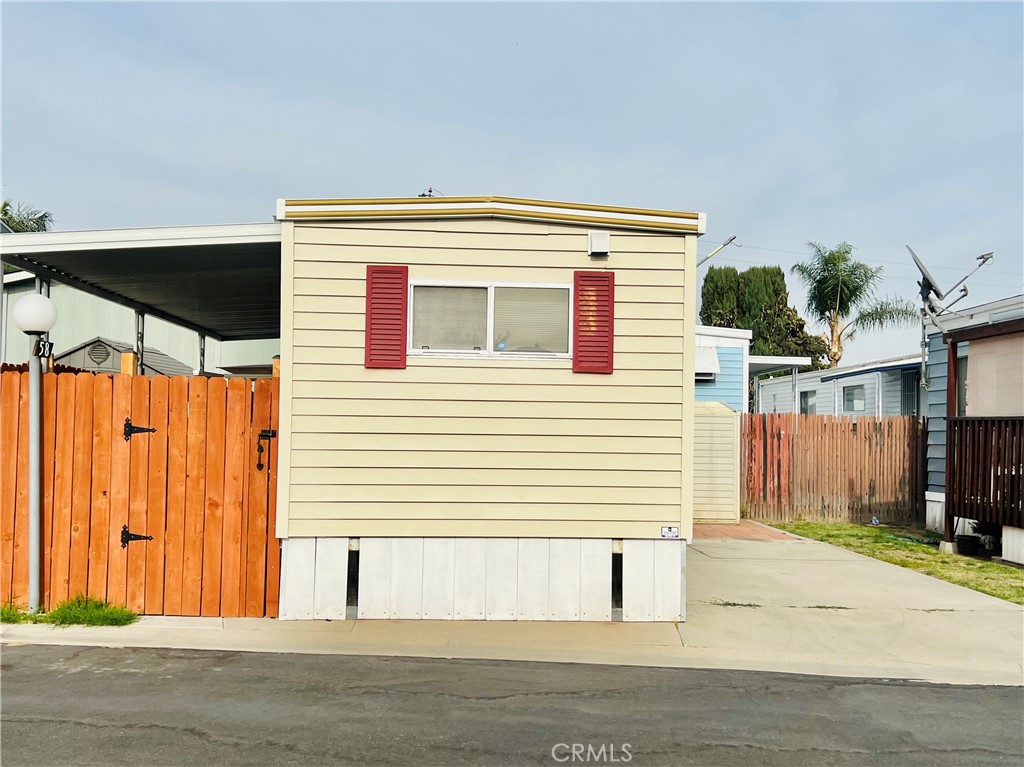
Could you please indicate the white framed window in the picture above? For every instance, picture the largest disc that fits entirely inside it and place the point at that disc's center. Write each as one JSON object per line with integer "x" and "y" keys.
{"x": 808, "y": 402}
{"x": 853, "y": 398}
{"x": 490, "y": 319}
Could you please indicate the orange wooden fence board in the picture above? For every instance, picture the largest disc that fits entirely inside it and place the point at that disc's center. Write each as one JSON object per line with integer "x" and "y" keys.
{"x": 156, "y": 512}
{"x": 81, "y": 493}
{"x": 213, "y": 525}
{"x": 138, "y": 496}
{"x": 120, "y": 491}
{"x": 19, "y": 585}
{"x": 174, "y": 546}
{"x": 10, "y": 401}
{"x": 49, "y": 425}
{"x": 63, "y": 485}
{"x": 235, "y": 475}
{"x": 256, "y": 573}
{"x": 195, "y": 496}
{"x": 99, "y": 534}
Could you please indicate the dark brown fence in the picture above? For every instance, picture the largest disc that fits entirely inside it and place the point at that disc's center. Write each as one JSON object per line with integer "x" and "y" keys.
{"x": 985, "y": 469}
{"x": 828, "y": 468}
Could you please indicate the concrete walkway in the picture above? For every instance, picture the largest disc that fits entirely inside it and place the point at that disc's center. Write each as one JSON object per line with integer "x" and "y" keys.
{"x": 793, "y": 605}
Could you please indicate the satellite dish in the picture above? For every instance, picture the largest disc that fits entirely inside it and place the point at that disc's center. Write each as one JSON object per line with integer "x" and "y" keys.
{"x": 928, "y": 285}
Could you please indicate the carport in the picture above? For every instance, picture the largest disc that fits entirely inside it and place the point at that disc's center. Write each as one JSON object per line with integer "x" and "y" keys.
{"x": 222, "y": 282}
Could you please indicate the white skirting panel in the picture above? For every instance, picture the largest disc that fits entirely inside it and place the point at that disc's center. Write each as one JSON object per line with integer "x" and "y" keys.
{"x": 489, "y": 578}
{"x": 485, "y": 578}
{"x": 595, "y": 580}
{"x": 502, "y": 572}
{"x": 330, "y": 584}
{"x": 935, "y": 511}
{"x": 653, "y": 580}
{"x": 438, "y": 578}
{"x": 314, "y": 578}
{"x": 1013, "y": 544}
{"x": 470, "y": 579}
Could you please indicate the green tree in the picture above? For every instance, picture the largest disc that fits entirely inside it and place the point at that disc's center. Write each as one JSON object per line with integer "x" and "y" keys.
{"x": 841, "y": 296}
{"x": 758, "y": 300}
{"x": 22, "y": 218}
{"x": 720, "y": 293}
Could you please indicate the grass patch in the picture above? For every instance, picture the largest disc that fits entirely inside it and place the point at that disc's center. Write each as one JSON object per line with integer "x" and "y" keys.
{"x": 906, "y": 547}
{"x": 11, "y": 614}
{"x": 723, "y": 603}
{"x": 79, "y": 611}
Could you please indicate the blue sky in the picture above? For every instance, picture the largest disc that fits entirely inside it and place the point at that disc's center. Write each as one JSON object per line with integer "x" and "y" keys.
{"x": 879, "y": 124}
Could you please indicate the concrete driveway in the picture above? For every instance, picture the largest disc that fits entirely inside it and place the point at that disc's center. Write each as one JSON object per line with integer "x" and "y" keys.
{"x": 775, "y": 603}
{"x": 796, "y": 603}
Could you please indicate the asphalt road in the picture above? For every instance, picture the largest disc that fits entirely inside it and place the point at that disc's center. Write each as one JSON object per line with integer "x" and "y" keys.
{"x": 84, "y": 706}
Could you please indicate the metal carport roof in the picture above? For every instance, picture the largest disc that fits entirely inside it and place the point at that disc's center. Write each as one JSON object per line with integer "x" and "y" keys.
{"x": 221, "y": 281}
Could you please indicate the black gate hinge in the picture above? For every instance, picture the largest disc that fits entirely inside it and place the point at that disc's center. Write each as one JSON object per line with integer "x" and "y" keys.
{"x": 130, "y": 429}
{"x": 127, "y": 537}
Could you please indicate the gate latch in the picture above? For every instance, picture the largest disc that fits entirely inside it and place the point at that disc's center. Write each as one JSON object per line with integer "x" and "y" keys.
{"x": 265, "y": 434}
{"x": 130, "y": 429}
{"x": 126, "y": 537}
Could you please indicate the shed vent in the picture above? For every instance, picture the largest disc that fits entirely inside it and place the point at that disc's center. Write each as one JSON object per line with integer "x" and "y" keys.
{"x": 99, "y": 353}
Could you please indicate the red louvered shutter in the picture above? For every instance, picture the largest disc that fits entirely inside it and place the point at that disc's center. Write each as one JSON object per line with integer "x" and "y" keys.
{"x": 593, "y": 314}
{"x": 387, "y": 306}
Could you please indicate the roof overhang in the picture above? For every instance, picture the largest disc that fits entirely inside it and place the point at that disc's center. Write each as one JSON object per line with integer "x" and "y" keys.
{"x": 759, "y": 364}
{"x": 610, "y": 216}
{"x": 900, "y": 363}
{"x": 221, "y": 281}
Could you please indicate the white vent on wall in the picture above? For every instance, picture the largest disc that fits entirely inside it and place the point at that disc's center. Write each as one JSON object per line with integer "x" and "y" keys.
{"x": 599, "y": 244}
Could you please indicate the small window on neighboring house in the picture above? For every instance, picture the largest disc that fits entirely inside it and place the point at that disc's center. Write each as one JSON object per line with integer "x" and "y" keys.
{"x": 853, "y": 398}
{"x": 775, "y": 403}
{"x": 808, "y": 405}
{"x": 961, "y": 387}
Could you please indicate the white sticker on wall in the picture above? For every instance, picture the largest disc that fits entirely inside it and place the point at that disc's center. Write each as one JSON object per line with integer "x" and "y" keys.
{"x": 670, "y": 532}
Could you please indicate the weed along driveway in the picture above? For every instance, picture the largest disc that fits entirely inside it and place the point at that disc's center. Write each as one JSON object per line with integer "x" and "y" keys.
{"x": 792, "y": 604}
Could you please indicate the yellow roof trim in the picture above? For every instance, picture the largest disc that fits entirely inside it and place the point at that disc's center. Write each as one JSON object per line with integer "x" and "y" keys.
{"x": 495, "y": 199}
{"x": 498, "y": 212}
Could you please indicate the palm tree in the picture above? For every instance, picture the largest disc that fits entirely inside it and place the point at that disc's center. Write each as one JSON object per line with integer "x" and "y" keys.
{"x": 22, "y": 218}
{"x": 840, "y": 287}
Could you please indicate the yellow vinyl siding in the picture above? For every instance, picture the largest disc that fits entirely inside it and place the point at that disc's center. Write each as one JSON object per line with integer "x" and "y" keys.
{"x": 716, "y": 463}
{"x": 481, "y": 446}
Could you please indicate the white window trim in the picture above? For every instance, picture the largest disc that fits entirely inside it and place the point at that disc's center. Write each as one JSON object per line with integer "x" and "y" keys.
{"x": 487, "y": 353}
{"x": 863, "y": 398}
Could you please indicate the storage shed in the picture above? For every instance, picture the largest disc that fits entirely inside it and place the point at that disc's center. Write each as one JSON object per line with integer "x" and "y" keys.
{"x": 491, "y": 400}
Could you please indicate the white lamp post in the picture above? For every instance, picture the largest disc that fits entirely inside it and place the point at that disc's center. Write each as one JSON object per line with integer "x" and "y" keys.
{"x": 35, "y": 315}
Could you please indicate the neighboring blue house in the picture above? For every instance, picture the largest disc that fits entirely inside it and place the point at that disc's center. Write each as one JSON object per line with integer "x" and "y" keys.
{"x": 724, "y": 366}
{"x": 722, "y": 363}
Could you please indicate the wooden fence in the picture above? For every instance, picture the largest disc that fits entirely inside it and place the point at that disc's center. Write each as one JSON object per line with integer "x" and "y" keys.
{"x": 827, "y": 468}
{"x": 203, "y": 484}
{"x": 985, "y": 469}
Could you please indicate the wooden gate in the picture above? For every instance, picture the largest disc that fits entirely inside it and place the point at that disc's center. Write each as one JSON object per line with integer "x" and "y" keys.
{"x": 202, "y": 484}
